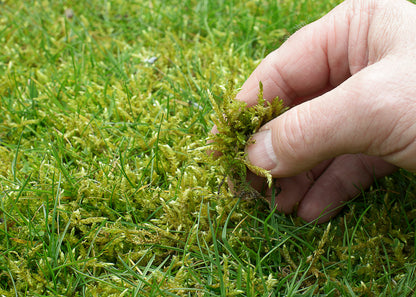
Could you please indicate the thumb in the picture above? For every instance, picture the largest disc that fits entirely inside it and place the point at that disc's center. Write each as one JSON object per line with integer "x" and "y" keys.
{"x": 356, "y": 117}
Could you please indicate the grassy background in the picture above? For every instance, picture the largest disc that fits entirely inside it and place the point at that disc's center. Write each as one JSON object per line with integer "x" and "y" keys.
{"x": 105, "y": 187}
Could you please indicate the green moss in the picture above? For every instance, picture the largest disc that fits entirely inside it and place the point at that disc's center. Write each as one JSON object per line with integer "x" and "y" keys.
{"x": 105, "y": 185}
{"x": 236, "y": 123}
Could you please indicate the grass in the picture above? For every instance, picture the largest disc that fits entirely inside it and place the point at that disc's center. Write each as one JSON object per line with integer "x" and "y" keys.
{"x": 105, "y": 185}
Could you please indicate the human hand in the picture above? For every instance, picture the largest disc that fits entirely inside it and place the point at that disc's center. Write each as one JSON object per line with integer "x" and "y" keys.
{"x": 350, "y": 78}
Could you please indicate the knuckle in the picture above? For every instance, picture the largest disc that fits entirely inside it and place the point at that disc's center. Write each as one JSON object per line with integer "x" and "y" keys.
{"x": 293, "y": 135}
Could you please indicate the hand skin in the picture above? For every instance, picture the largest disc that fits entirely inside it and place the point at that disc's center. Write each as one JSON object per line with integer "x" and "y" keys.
{"x": 350, "y": 79}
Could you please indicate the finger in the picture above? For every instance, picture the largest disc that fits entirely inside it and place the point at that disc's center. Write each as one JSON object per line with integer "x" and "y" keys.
{"x": 343, "y": 180}
{"x": 353, "y": 118}
{"x": 289, "y": 191}
{"x": 285, "y": 193}
{"x": 213, "y": 153}
{"x": 293, "y": 189}
{"x": 313, "y": 59}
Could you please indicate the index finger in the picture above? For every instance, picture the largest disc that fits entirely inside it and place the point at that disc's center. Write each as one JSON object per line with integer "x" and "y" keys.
{"x": 313, "y": 60}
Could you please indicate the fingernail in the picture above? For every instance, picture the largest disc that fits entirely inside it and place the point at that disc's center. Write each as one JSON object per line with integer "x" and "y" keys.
{"x": 261, "y": 152}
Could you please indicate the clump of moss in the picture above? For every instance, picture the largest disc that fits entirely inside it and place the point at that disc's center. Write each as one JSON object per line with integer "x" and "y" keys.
{"x": 236, "y": 123}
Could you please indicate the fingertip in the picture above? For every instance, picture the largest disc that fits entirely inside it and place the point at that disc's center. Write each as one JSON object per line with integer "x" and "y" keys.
{"x": 261, "y": 153}
{"x": 310, "y": 211}
{"x": 213, "y": 153}
{"x": 214, "y": 130}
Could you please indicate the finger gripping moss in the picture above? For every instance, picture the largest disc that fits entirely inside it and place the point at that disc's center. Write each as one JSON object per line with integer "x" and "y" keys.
{"x": 236, "y": 122}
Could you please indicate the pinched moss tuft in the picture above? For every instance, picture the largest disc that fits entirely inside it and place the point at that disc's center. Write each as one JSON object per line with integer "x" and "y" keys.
{"x": 236, "y": 123}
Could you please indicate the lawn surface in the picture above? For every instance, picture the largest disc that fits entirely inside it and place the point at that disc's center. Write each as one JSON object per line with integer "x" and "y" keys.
{"x": 105, "y": 185}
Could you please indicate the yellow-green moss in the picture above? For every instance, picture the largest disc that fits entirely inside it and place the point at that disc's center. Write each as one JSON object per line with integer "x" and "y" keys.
{"x": 106, "y": 188}
{"x": 236, "y": 123}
